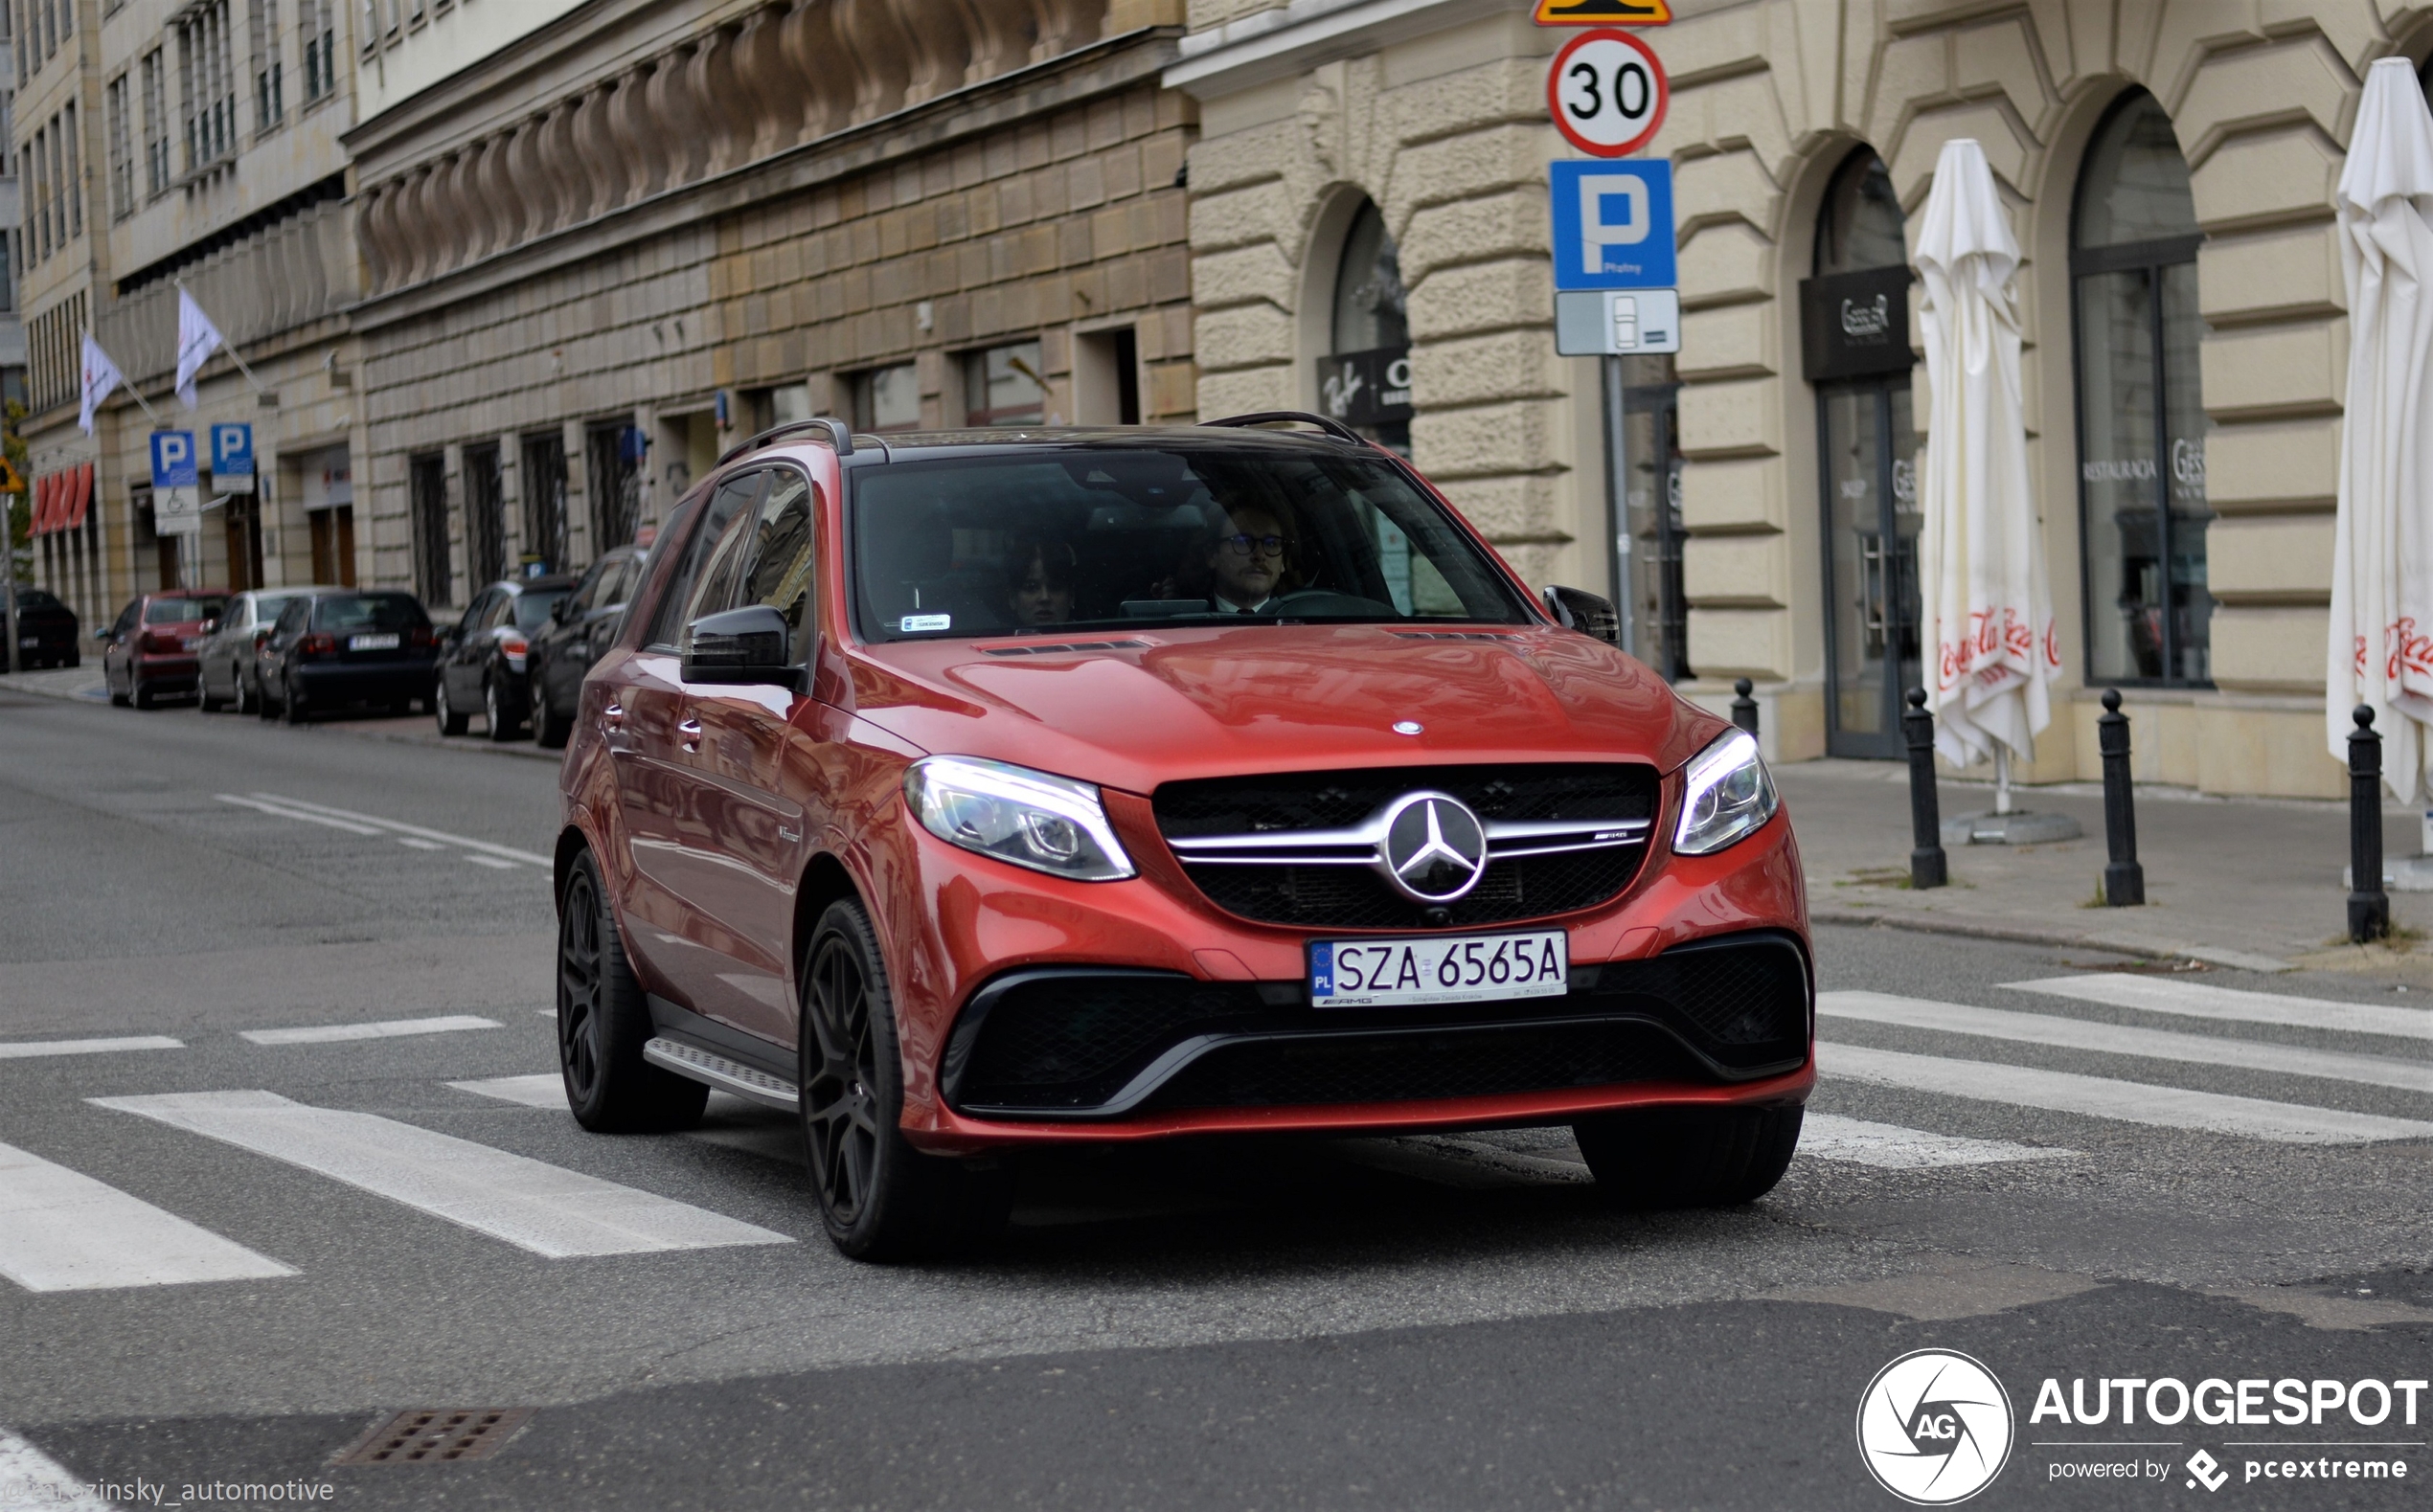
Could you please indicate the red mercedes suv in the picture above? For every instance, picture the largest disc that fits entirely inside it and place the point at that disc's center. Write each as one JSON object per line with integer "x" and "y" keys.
{"x": 965, "y": 792}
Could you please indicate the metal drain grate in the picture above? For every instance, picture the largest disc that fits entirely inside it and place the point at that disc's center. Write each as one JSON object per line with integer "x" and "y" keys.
{"x": 436, "y": 1436}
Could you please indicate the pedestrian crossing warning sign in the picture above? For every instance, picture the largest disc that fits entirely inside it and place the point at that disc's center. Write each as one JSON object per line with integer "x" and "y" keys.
{"x": 1603, "y": 12}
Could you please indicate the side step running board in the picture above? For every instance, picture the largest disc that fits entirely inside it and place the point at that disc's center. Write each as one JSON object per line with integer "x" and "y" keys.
{"x": 717, "y": 1071}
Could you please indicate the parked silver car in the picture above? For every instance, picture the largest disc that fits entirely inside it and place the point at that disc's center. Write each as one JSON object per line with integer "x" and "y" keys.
{"x": 228, "y": 655}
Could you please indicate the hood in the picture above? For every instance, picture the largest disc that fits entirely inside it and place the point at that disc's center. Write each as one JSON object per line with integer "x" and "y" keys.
{"x": 1159, "y": 707}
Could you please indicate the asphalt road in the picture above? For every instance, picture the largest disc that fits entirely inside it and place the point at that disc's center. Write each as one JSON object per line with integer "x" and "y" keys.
{"x": 2182, "y": 1185}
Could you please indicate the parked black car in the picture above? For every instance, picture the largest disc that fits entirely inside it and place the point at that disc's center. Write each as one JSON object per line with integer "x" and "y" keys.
{"x": 45, "y": 630}
{"x": 234, "y": 644}
{"x": 579, "y": 630}
{"x": 484, "y": 657}
{"x": 339, "y": 647}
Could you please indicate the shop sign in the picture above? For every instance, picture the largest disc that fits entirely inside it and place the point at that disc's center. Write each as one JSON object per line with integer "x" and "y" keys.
{"x": 1855, "y": 324}
{"x": 1367, "y": 388}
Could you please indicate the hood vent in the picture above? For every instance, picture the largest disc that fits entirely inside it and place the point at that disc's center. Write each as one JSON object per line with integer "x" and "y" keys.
{"x": 1054, "y": 647}
{"x": 1447, "y": 635}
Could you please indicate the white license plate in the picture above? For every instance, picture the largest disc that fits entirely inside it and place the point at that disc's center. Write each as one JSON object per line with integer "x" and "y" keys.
{"x": 1455, "y": 968}
{"x": 28, "y": 641}
{"x": 372, "y": 642}
{"x": 191, "y": 643}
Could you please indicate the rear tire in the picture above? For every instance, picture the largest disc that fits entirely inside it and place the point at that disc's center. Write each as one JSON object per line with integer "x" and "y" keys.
{"x": 246, "y": 702}
{"x": 603, "y": 1021}
{"x": 880, "y": 1198}
{"x": 291, "y": 709}
{"x": 504, "y": 726}
{"x": 1713, "y": 1157}
{"x": 204, "y": 698}
{"x": 116, "y": 698}
{"x": 138, "y": 694}
{"x": 451, "y": 723}
{"x": 550, "y": 729}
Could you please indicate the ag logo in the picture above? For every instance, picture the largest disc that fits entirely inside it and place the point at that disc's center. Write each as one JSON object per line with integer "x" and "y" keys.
{"x": 2202, "y": 1466}
{"x": 1934, "y": 1426}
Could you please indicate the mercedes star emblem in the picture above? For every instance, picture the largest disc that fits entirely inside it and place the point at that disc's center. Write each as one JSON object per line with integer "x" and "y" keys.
{"x": 1434, "y": 847}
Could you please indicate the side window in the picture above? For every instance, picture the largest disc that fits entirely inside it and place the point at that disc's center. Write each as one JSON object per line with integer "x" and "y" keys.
{"x": 476, "y": 612}
{"x": 784, "y": 550}
{"x": 126, "y": 618}
{"x": 684, "y": 586}
{"x": 502, "y": 605}
{"x": 624, "y": 582}
{"x": 292, "y": 618}
{"x": 578, "y": 602}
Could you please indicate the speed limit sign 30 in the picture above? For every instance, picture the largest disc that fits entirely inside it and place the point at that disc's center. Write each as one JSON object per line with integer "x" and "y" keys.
{"x": 1608, "y": 93}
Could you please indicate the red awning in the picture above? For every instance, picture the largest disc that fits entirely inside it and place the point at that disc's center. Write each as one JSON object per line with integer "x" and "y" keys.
{"x": 42, "y": 491}
{"x": 81, "y": 498}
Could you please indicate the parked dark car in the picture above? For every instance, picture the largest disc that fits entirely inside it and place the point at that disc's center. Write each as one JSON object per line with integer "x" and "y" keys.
{"x": 580, "y": 629}
{"x": 152, "y": 649}
{"x": 484, "y": 656}
{"x": 45, "y": 630}
{"x": 234, "y": 643}
{"x": 342, "y": 648}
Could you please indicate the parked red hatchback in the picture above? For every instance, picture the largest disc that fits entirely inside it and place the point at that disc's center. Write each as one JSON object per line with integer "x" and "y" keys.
{"x": 969, "y": 792}
{"x": 154, "y": 646}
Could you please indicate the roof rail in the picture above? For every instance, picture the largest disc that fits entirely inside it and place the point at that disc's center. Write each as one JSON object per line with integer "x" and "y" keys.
{"x": 1334, "y": 428}
{"x": 839, "y": 435}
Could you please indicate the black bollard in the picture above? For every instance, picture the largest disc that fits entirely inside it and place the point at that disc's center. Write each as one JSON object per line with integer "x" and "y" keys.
{"x": 1743, "y": 706}
{"x": 2368, "y": 906}
{"x": 1928, "y": 866}
{"x": 2123, "y": 880}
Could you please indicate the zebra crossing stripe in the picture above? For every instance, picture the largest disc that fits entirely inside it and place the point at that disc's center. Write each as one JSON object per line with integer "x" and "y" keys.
{"x": 32, "y": 1482}
{"x": 2119, "y": 1039}
{"x": 1888, "y": 1147}
{"x": 24, "y": 1050}
{"x": 388, "y": 1029}
{"x": 547, "y": 1089}
{"x": 61, "y": 1230}
{"x": 2102, "y": 1098}
{"x": 536, "y": 1207}
{"x": 2197, "y": 999}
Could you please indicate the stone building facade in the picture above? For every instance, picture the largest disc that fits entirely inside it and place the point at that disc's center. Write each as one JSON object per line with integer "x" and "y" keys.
{"x": 2169, "y": 166}
{"x": 620, "y": 236}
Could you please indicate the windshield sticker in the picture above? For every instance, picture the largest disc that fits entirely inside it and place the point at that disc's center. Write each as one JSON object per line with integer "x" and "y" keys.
{"x": 911, "y": 622}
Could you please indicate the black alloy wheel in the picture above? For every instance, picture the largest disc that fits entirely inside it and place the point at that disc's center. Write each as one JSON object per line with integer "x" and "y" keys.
{"x": 880, "y": 1198}
{"x": 603, "y": 1021}
{"x": 1646, "y": 1159}
{"x": 451, "y": 723}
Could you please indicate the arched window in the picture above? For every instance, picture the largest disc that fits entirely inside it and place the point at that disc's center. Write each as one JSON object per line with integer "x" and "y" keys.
{"x": 2141, "y": 412}
{"x": 1365, "y": 380}
{"x": 1855, "y": 338}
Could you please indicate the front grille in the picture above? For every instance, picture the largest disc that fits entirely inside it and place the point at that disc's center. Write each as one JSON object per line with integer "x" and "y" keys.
{"x": 1073, "y": 1041}
{"x": 1350, "y": 897}
{"x": 1409, "y": 1067}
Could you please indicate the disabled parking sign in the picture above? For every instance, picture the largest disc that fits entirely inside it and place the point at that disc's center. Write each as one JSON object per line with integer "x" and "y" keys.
{"x": 1612, "y": 225}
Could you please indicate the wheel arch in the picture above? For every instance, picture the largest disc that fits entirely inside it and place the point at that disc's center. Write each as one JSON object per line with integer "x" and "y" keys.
{"x": 825, "y": 881}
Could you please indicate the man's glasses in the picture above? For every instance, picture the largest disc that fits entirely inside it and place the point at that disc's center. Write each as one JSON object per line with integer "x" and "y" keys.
{"x": 1243, "y": 545}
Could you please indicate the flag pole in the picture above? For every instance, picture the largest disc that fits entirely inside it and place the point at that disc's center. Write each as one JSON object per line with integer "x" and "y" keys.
{"x": 132, "y": 391}
{"x": 229, "y": 347}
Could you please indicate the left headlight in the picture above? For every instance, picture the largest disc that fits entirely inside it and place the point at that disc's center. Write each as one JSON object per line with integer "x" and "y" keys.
{"x": 1031, "y": 819}
{"x": 1727, "y": 794}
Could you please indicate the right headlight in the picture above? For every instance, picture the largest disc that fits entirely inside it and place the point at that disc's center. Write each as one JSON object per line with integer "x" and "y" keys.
{"x": 1727, "y": 794}
{"x": 1031, "y": 819}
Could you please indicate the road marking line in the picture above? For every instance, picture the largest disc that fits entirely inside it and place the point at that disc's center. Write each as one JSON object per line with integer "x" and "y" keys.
{"x": 1831, "y": 1136}
{"x": 61, "y": 1230}
{"x": 504, "y": 852}
{"x": 2102, "y": 1098}
{"x": 2120, "y": 1039}
{"x": 547, "y": 1089}
{"x": 32, "y": 1482}
{"x": 25, "y": 1049}
{"x": 393, "y": 1028}
{"x": 491, "y": 860}
{"x": 2197, "y": 999}
{"x": 543, "y": 1209}
{"x": 290, "y": 813}
{"x": 419, "y": 845}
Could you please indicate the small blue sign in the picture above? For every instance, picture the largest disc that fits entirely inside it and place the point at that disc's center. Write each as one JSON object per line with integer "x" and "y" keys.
{"x": 232, "y": 450}
{"x": 1322, "y": 969}
{"x": 173, "y": 460}
{"x": 1613, "y": 224}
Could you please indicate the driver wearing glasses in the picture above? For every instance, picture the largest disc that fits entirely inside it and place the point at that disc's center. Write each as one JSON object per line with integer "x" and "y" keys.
{"x": 1247, "y": 560}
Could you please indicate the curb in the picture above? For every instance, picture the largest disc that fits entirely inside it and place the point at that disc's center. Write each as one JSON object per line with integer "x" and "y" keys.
{"x": 2121, "y": 944}
{"x": 528, "y": 750}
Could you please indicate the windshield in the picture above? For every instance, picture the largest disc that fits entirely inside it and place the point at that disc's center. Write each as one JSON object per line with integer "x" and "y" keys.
{"x": 532, "y": 606}
{"x": 181, "y": 611}
{"x": 1034, "y": 545}
{"x": 369, "y": 612}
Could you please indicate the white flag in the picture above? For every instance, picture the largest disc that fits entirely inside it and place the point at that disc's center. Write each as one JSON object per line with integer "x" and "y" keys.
{"x": 101, "y": 376}
{"x": 197, "y": 338}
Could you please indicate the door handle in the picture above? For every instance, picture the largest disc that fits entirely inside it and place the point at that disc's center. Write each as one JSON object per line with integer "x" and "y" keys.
{"x": 691, "y": 731}
{"x": 613, "y": 717}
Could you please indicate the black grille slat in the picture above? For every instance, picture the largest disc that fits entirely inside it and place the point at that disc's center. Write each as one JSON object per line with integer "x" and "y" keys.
{"x": 1352, "y": 897}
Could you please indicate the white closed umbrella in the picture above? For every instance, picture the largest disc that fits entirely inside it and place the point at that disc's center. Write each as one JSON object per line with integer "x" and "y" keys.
{"x": 1987, "y": 640}
{"x": 2381, "y": 643}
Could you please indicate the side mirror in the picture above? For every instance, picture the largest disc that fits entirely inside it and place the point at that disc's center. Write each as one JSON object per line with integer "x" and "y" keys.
{"x": 1578, "y": 609}
{"x": 210, "y": 626}
{"x": 746, "y": 645}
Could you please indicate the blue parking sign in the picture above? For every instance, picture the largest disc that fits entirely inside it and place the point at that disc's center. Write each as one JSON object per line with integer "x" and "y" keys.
{"x": 232, "y": 450}
{"x": 173, "y": 460}
{"x": 1613, "y": 224}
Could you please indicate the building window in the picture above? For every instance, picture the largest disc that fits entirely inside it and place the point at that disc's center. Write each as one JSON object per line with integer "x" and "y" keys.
{"x": 612, "y": 467}
{"x": 887, "y": 399}
{"x": 207, "y": 86}
{"x": 118, "y": 104}
{"x": 72, "y": 176}
{"x": 427, "y": 486}
{"x": 1365, "y": 379}
{"x": 542, "y": 483}
{"x": 1002, "y": 386}
{"x": 153, "y": 73}
{"x": 320, "y": 48}
{"x": 2140, "y": 412}
{"x": 8, "y": 282}
{"x": 485, "y": 515}
{"x": 261, "y": 37}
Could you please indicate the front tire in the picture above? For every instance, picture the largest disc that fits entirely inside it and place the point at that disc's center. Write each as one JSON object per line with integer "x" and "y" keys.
{"x": 880, "y": 1198}
{"x": 603, "y": 1021}
{"x": 1647, "y": 1159}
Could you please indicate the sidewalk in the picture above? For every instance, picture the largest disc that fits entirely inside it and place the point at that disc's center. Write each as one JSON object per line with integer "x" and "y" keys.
{"x": 2253, "y": 883}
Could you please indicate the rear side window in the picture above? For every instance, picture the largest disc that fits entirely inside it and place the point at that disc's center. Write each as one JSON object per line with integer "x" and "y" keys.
{"x": 684, "y": 586}
{"x": 369, "y": 612}
{"x": 532, "y": 606}
{"x": 181, "y": 611}
{"x": 292, "y": 615}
